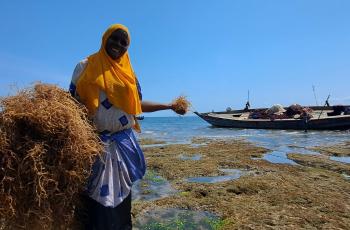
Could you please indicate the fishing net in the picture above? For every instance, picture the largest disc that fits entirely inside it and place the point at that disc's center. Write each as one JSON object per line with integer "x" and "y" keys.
{"x": 294, "y": 110}
{"x": 259, "y": 114}
{"x": 47, "y": 147}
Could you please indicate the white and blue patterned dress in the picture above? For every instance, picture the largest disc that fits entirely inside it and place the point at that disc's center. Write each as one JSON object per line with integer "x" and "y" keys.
{"x": 122, "y": 162}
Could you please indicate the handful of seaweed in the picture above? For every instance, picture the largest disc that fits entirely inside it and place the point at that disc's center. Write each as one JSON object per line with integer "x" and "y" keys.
{"x": 181, "y": 105}
{"x": 47, "y": 147}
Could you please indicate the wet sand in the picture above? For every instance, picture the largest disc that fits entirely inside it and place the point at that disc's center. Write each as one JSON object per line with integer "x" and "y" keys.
{"x": 312, "y": 194}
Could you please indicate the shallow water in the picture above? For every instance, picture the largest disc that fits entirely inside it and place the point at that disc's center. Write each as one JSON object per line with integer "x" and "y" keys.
{"x": 155, "y": 145}
{"x": 341, "y": 159}
{"x": 278, "y": 158}
{"x": 183, "y": 129}
{"x": 151, "y": 187}
{"x": 171, "y": 218}
{"x": 280, "y": 142}
{"x": 195, "y": 157}
{"x": 346, "y": 176}
{"x": 232, "y": 174}
{"x": 198, "y": 145}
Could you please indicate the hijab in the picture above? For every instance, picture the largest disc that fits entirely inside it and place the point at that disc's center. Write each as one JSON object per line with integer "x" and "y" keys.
{"x": 115, "y": 77}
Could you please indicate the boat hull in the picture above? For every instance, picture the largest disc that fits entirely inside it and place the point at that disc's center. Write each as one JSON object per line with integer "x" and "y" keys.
{"x": 330, "y": 123}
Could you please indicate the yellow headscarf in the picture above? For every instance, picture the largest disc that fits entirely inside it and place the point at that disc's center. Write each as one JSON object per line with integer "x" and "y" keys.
{"x": 115, "y": 77}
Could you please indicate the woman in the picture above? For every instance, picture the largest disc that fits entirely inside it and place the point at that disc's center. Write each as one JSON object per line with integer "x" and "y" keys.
{"x": 106, "y": 84}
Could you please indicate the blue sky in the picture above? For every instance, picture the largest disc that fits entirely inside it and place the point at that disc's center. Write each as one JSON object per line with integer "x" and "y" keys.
{"x": 210, "y": 51}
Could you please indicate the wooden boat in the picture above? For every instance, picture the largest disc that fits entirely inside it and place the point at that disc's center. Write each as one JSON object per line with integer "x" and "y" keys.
{"x": 140, "y": 118}
{"x": 240, "y": 119}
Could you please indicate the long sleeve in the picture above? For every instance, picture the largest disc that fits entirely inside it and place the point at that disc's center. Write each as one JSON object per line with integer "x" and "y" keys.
{"x": 79, "y": 68}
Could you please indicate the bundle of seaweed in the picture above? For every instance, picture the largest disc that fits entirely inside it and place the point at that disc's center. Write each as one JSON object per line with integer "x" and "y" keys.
{"x": 47, "y": 147}
{"x": 181, "y": 105}
{"x": 294, "y": 109}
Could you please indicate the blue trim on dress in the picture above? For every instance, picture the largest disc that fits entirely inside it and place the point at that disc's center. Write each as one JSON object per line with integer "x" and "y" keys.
{"x": 106, "y": 104}
{"x": 130, "y": 151}
{"x": 104, "y": 190}
{"x": 123, "y": 120}
{"x": 72, "y": 89}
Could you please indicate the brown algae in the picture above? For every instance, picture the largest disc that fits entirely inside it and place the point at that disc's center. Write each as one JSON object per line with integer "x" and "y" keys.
{"x": 275, "y": 196}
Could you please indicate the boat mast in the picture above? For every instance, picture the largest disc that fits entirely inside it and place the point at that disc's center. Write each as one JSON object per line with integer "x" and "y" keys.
{"x": 325, "y": 104}
{"x": 313, "y": 88}
{"x": 247, "y": 105}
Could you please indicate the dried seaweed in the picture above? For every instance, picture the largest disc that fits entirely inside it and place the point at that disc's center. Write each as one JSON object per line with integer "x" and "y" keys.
{"x": 47, "y": 147}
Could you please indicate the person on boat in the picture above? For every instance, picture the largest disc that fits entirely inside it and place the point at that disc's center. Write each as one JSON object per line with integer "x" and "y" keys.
{"x": 106, "y": 84}
{"x": 347, "y": 110}
{"x": 247, "y": 106}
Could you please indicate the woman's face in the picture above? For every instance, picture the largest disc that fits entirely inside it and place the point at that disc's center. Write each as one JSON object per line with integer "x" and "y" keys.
{"x": 117, "y": 44}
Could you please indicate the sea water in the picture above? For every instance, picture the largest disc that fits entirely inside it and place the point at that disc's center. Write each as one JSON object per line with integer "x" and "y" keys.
{"x": 183, "y": 129}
